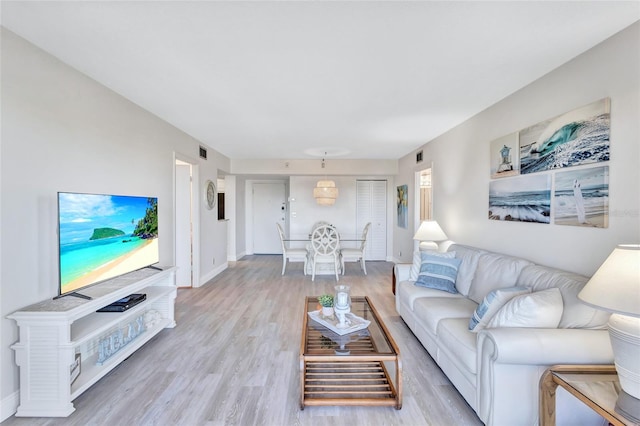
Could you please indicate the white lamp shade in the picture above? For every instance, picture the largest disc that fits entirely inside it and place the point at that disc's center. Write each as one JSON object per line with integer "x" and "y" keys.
{"x": 429, "y": 230}
{"x": 325, "y": 192}
{"x": 615, "y": 287}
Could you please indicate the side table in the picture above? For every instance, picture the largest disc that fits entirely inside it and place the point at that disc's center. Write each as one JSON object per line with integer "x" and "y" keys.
{"x": 596, "y": 386}
{"x": 393, "y": 280}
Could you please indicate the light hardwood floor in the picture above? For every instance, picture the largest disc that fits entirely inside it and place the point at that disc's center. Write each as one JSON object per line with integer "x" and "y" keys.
{"x": 233, "y": 359}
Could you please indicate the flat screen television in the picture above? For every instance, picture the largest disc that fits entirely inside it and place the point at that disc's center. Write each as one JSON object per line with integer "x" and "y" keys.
{"x": 102, "y": 236}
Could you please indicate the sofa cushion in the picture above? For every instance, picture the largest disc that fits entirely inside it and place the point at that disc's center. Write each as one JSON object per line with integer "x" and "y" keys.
{"x": 469, "y": 257}
{"x": 495, "y": 271}
{"x": 491, "y": 304}
{"x": 575, "y": 313}
{"x": 542, "y": 309}
{"x": 438, "y": 272}
{"x": 418, "y": 259}
{"x": 431, "y": 310}
{"x": 460, "y": 343}
{"x": 408, "y": 293}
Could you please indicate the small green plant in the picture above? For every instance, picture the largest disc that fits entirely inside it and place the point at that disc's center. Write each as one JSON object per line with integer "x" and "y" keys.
{"x": 326, "y": 300}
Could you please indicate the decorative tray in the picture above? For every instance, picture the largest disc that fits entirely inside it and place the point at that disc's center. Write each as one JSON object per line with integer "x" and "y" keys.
{"x": 354, "y": 322}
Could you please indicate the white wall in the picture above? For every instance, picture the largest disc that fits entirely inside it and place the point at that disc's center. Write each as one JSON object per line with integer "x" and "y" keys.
{"x": 333, "y": 167}
{"x": 304, "y": 211}
{"x": 61, "y": 131}
{"x": 461, "y": 162}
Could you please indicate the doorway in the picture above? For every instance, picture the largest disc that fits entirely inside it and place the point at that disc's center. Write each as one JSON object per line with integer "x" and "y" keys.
{"x": 426, "y": 201}
{"x": 371, "y": 207}
{"x": 269, "y": 208}
{"x": 186, "y": 234}
{"x": 423, "y": 198}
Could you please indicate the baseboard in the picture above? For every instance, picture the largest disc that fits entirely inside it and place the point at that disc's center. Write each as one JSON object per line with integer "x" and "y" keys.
{"x": 235, "y": 257}
{"x": 205, "y": 278}
{"x": 9, "y": 406}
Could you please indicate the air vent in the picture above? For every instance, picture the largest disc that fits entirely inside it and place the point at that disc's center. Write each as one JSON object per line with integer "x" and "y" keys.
{"x": 203, "y": 152}
{"x": 419, "y": 157}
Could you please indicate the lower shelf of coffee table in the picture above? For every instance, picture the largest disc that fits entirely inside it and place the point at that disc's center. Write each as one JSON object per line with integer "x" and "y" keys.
{"x": 348, "y": 383}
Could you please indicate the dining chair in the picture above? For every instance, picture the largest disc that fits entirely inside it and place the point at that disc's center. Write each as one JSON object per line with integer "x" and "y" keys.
{"x": 315, "y": 225}
{"x": 356, "y": 254}
{"x": 325, "y": 243}
{"x": 291, "y": 254}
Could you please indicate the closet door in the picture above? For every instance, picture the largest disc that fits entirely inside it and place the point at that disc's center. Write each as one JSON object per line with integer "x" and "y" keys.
{"x": 372, "y": 207}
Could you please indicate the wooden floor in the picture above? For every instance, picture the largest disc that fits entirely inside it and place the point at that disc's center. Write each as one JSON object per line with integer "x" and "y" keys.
{"x": 233, "y": 359}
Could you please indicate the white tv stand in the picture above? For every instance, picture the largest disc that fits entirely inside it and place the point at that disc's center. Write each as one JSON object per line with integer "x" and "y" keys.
{"x": 53, "y": 332}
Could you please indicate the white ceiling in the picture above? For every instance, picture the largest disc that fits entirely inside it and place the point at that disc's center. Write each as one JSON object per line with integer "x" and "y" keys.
{"x": 368, "y": 80}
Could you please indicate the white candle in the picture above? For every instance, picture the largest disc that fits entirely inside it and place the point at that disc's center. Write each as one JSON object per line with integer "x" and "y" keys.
{"x": 342, "y": 299}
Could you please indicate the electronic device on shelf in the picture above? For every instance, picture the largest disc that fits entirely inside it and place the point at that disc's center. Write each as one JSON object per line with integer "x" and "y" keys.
{"x": 125, "y": 303}
{"x": 97, "y": 232}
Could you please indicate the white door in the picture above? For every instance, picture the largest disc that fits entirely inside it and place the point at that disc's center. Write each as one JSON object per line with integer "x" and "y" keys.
{"x": 184, "y": 275}
{"x": 269, "y": 206}
{"x": 371, "y": 206}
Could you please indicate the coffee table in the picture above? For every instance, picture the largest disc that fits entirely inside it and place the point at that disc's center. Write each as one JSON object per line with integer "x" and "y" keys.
{"x": 353, "y": 369}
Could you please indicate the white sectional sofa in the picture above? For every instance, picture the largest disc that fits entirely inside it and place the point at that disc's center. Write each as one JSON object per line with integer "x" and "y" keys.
{"x": 497, "y": 368}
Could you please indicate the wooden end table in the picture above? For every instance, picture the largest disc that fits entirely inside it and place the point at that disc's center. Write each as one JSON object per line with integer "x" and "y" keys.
{"x": 597, "y": 386}
{"x": 354, "y": 369}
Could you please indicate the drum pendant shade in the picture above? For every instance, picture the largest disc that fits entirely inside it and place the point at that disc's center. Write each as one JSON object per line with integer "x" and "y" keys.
{"x": 325, "y": 192}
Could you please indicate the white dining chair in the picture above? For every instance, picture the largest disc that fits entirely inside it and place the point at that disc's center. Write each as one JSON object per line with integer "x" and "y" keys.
{"x": 291, "y": 254}
{"x": 356, "y": 254}
{"x": 325, "y": 244}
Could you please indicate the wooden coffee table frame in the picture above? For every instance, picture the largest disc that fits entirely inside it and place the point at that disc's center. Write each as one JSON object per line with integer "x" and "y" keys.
{"x": 360, "y": 378}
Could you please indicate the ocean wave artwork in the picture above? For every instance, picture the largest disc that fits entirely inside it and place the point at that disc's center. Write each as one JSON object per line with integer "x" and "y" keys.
{"x": 576, "y": 138}
{"x": 522, "y": 199}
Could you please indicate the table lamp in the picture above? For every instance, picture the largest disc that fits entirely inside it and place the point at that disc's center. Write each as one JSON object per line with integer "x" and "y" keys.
{"x": 615, "y": 287}
{"x": 428, "y": 233}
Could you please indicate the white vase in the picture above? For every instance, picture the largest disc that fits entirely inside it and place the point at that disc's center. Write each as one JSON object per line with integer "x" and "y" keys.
{"x": 327, "y": 311}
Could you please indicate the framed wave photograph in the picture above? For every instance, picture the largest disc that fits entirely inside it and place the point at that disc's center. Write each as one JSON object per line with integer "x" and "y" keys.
{"x": 575, "y": 138}
{"x": 521, "y": 199}
{"x": 581, "y": 197}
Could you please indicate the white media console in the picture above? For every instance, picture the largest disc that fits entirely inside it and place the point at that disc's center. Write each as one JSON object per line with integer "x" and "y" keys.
{"x": 61, "y": 340}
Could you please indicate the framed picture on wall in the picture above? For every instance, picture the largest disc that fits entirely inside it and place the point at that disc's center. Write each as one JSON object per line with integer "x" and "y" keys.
{"x": 581, "y": 197}
{"x": 575, "y": 138}
{"x": 521, "y": 199}
{"x": 505, "y": 158}
{"x": 403, "y": 206}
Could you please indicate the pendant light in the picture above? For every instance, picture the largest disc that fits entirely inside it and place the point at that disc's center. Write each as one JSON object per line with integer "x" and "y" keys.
{"x": 325, "y": 191}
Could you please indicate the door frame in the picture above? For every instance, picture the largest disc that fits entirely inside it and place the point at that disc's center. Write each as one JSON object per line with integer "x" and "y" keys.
{"x": 417, "y": 195}
{"x": 195, "y": 215}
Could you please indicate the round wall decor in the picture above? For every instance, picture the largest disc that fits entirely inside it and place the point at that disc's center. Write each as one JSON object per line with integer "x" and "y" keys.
{"x": 210, "y": 194}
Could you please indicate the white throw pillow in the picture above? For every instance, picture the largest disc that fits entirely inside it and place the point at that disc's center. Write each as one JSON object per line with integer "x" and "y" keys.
{"x": 542, "y": 309}
{"x": 492, "y": 302}
{"x": 417, "y": 261}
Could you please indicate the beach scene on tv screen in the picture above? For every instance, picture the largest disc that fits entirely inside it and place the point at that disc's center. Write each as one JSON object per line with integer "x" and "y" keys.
{"x": 103, "y": 236}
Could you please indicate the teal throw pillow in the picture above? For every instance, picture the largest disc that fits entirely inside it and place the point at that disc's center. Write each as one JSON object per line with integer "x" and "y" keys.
{"x": 438, "y": 272}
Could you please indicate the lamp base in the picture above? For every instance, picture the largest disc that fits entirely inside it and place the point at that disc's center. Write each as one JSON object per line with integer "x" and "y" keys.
{"x": 628, "y": 407}
{"x": 428, "y": 245}
{"x": 624, "y": 333}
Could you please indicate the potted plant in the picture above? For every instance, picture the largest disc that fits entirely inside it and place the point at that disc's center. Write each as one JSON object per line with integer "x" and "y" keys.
{"x": 326, "y": 301}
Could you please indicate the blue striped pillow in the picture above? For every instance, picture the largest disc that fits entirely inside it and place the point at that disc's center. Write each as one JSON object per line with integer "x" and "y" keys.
{"x": 438, "y": 273}
{"x": 491, "y": 303}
